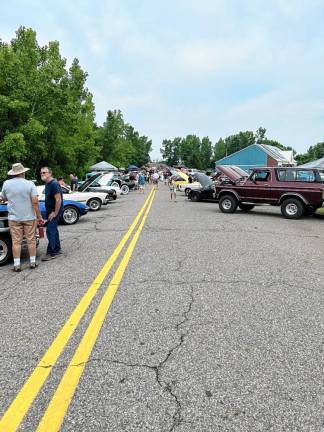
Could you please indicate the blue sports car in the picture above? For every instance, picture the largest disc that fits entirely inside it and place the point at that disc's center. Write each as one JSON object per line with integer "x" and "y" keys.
{"x": 72, "y": 211}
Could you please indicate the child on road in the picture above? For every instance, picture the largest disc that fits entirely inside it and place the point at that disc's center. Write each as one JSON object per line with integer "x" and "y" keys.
{"x": 173, "y": 187}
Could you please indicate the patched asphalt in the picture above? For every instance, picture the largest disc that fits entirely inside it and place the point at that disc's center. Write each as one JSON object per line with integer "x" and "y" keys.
{"x": 216, "y": 326}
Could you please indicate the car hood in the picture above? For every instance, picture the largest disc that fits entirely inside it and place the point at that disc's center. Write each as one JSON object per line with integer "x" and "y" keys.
{"x": 203, "y": 179}
{"x": 234, "y": 173}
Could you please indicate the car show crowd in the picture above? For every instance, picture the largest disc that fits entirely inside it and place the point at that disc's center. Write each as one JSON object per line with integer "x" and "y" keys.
{"x": 25, "y": 209}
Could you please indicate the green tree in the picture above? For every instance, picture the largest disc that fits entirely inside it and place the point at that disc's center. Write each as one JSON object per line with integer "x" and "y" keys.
{"x": 120, "y": 143}
{"x": 46, "y": 113}
{"x": 206, "y": 151}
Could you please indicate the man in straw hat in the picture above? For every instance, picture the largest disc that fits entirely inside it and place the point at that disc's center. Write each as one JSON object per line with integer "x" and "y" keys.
{"x": 23, "y": 210}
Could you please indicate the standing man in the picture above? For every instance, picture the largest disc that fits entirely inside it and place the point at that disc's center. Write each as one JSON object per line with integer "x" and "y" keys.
{"x": 141, "y": 182}
{"x": 74, "y": 182}
{"x": 23, "y": 209}
{"x": 54, "y": 207}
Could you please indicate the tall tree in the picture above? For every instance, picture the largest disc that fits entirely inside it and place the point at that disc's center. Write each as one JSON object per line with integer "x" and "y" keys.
{"x": 120, "y": 143}
{"x": 46, "y": 113}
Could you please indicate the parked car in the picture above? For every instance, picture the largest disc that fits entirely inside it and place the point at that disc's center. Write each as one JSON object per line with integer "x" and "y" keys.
{"x": 101, "y": 182}
{"x": 186, "y": 188}
{"x": 205, "y": 192}
{"x": 298, "y": 191}
{"x": 94, "y": 200}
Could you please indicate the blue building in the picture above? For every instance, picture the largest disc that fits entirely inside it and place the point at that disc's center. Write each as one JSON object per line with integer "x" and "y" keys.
{"x": 258, "y": 155}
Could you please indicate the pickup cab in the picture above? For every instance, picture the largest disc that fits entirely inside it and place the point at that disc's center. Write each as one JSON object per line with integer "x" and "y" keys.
{"x": 298, "y": 191}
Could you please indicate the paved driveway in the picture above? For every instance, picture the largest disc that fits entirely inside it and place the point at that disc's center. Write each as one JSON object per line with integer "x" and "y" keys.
{"x": 217, "y": 324}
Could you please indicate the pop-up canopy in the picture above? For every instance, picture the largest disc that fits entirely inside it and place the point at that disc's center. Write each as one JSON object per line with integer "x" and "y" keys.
{"x": 132, "y": 168}
{"x": 103, "y": 166}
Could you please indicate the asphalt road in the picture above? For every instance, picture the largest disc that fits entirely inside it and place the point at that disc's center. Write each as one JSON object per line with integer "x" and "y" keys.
{"x": 217, "y": 324}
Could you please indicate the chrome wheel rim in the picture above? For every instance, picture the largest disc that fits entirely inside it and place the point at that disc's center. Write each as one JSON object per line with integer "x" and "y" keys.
{"x": 94, "y": 204}
{"x": 70, "y": 215}
{"x": 3, "y": 250}
{"x": 227, "y": 204}
{"x": 292, "y": 209}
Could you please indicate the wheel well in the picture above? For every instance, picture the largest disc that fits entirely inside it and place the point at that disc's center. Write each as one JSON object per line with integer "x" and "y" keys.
{"x": 96, "y": 198}
{"x": 221, "y": 194}
{"x": 72, "y": 206}
{"x": 284, "y": 198}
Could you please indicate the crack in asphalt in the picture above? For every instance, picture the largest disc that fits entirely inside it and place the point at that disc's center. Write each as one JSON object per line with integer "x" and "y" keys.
{"x": 166, "y": 386}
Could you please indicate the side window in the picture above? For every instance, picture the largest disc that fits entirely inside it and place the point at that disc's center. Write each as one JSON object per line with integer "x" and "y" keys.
{"x": 261, "y": 176}
{"x": 305, "y": 176}
{"x": 281, "y": 175}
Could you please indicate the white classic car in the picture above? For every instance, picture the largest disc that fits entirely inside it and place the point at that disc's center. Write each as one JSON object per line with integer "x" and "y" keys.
{"x": 94, "y": 200}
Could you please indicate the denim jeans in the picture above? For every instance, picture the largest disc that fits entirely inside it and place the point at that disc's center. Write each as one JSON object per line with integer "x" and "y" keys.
{"x": 53, "y": 238}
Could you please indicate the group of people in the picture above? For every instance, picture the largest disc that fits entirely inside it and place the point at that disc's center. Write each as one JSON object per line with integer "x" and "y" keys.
{"x": 24, "y": 213}
{"x": 154, "y": 177}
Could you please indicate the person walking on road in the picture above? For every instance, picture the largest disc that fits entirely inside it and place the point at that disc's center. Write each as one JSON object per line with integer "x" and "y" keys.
{"x": 141, "y": 182}
{"x": 173, "y": 188}
{"x": 54, "y": 207}
{"x": 155, "y": 178}
{"x": 23, "y": 213}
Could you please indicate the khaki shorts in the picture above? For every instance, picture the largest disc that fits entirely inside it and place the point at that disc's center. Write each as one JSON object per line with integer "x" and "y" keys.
{"x": 21, "y": 230}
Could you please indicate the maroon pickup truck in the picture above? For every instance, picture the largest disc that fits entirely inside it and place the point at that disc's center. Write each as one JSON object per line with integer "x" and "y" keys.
{"x": 298, "y": 191}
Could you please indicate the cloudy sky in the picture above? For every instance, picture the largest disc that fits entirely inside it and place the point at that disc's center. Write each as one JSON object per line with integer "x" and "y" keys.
{"x": 208, "y": 67}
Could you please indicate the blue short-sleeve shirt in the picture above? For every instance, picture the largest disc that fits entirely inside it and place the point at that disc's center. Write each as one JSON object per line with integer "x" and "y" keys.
{"x": 51, "y": 189}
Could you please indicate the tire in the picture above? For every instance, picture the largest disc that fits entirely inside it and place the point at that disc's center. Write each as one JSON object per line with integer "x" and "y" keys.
{"x": 187, "y": 191}
{"x": 115, "y": 184}
{"x": 246, "y": 207}
{"x": 5, "y": 249}
{"x": 114, "y": 196}
{"x": 292, "y": 208}
{"x": 94, "y": 204}
{"x": 70, "y": 215}
{"x": 124, "y": 189}
{"x": 194, "y": 197}
{"x": 228, "y": 204}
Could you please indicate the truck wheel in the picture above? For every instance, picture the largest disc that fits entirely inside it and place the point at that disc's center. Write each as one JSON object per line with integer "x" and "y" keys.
{"x": 5, "y": 249}
{"x": 246, "y": 207}
{"x": 187, "y": 191}
{"x": 292, "y": 208}
{"x": 228, "y": 204}
{"x": 94, "y": 204}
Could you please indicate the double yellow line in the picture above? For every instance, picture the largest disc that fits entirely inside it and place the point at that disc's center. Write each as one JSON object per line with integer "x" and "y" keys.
{"x": 59, "y": 404}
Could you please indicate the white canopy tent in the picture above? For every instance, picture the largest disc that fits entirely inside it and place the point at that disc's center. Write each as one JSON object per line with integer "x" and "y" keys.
{"x": 103, "y": 166}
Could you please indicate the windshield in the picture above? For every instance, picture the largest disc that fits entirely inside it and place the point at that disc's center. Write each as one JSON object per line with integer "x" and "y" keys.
{"x": 105, "y": 179}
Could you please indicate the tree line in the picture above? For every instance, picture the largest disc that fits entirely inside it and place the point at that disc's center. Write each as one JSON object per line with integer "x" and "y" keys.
{"x": 202, "y": 154}
{"x": 47, "y": 114}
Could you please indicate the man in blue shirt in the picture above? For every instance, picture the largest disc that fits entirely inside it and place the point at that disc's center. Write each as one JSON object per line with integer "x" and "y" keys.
{"x": 54, "y": 208}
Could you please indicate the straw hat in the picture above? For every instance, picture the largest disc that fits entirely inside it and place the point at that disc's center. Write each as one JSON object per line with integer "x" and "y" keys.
{"x": 17, "y": 169}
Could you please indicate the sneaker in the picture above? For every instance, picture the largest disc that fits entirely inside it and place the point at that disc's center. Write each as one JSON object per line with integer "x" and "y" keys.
{"x": 33, "y": 265}
{"x": 48, "y": 257}
{"x": 16, "y": 269}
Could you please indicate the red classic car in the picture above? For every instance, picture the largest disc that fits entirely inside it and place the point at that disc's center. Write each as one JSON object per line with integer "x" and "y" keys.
{"x": 298, "y": 191}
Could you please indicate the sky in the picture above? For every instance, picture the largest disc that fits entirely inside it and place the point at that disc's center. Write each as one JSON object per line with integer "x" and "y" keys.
{"x": 177, "y": 67}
